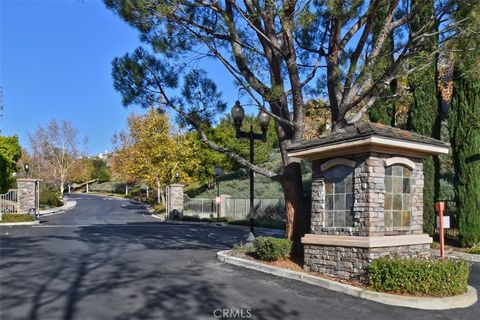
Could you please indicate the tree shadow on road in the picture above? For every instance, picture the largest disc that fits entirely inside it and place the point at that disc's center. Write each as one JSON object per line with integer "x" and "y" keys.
{"x": 120, "y": 272}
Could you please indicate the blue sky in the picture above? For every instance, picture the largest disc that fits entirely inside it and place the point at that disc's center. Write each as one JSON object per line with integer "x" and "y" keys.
{"x": 55, "y": 62}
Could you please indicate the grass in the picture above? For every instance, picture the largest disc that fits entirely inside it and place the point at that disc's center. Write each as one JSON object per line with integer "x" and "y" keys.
{"x": 16, "y": 217}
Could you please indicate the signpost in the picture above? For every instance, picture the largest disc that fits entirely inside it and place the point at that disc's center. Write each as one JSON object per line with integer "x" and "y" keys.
{"x": 442, "y": 223}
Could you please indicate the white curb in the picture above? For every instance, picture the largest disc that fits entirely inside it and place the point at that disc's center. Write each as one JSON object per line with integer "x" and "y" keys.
{"x": 425, "y": 303}
{"x": 29, "y": 223}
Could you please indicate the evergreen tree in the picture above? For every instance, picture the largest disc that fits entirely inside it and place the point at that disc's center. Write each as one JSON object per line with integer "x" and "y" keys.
{"x": 424, "y": 110}
{"x": 464, "y": 122}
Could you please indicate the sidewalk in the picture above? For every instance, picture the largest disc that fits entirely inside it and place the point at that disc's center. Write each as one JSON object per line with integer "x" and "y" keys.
{"x": 458, "y": 255}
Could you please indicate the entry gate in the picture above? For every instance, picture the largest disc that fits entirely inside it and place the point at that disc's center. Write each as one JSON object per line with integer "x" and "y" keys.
{"x": 9, "y": 202}
{"x": 202, "y": 207}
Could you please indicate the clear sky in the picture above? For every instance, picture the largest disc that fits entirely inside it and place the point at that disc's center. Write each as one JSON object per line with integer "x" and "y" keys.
{"x": 55, "y": 62}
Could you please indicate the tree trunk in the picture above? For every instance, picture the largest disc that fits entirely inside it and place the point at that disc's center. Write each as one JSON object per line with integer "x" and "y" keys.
{"x": 298, "y": 220}
{"x": 62, "y": 183}
{"x": 87, "y": 186}
{"x": 158, "y": 192}
{"x": 126, "y": 189}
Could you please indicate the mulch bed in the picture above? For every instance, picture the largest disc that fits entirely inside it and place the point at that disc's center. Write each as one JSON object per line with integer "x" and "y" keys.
{"x": 295, "y": 264}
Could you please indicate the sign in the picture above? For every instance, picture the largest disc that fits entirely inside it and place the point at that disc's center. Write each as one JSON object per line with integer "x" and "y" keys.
{"x": 446, "y": 222}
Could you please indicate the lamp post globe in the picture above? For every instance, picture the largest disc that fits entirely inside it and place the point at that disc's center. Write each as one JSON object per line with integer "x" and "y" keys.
{"x": 238, "y": 113}
{"x": 26, "y": 167}
{"x": 263, "y": 119}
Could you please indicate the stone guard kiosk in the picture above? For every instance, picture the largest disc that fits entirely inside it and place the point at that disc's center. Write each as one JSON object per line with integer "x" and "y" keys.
{"x": 367, "y": 197}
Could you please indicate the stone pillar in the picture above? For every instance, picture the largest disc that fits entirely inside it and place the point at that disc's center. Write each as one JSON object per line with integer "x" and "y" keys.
{"x": 27, "y": 194}
{"x": 224, "y": 204}
{"x": 175, "y": 200}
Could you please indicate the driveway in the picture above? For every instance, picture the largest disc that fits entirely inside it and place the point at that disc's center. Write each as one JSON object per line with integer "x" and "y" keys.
{"x": 108, "y": 259}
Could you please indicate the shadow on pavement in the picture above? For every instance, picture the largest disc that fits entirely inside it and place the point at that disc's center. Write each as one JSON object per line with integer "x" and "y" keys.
{"x": 131, "y": 271}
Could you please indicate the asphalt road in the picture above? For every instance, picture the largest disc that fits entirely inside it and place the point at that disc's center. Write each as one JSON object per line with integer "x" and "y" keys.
{"x": 107, "y": 259}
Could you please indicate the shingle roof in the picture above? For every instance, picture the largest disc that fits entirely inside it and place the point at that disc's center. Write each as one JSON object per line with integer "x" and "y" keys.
{"x": 363, "y": 130}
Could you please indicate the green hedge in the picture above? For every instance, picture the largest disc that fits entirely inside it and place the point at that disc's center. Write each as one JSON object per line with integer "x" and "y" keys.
{"x": 475, "y": 249}
{"x": 49, "y": 198}
{"x": 433, "y": 277}
{"x": 16, "y": 217}
{"x": 271, "y": 249}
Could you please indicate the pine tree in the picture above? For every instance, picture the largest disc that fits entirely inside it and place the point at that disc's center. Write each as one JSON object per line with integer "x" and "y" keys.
{"x": 424, "y": 110}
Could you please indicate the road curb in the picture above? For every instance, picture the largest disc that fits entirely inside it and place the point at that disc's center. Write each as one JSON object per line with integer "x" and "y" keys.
{"x": 425, "y": 303}
{"x": 458, "y": 255}
{"x": 69, "y": 205}
{"x": 11, "y": 224}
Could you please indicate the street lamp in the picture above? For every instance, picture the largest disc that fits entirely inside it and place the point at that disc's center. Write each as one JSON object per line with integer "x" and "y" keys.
{"x": 26, "y": 166}
{"x": 263, "y": 118}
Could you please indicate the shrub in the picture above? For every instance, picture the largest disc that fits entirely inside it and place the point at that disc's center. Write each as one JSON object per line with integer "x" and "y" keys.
{"x": 271, "y": 249}
{"x": 49, "y": 198}
{"x": 190, "y": 218}
{"x": 16, "y": 217}
{"x": 433, "y": 277}
{"x": 474, "y": 249}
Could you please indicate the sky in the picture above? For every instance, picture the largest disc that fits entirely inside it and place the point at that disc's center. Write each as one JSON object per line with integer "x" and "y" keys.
{"x": 55, "y": 63}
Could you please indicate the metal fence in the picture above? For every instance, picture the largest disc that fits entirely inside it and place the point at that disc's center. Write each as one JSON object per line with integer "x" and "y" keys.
{"x": 198, "y": 206}
{"x": 9, "y": 202}
{"x": 239, "y": 209}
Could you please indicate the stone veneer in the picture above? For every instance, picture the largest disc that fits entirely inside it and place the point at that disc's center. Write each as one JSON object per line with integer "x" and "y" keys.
{"x": 27, "y": 194}
{"x": 350, "y": 262}
{"x": 369, "y": 195}
{"x": 175, "y": 198}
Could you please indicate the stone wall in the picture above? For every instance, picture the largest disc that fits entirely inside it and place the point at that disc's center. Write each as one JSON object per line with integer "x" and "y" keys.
{"x": 27, "y": 195}
{"x": 350, "y": 263}
{"x": 369, "y": 195}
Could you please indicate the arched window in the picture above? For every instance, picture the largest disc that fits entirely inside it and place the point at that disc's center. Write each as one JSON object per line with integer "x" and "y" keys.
{"x": 398, "y": 198}
{"x": 339, "y": 196}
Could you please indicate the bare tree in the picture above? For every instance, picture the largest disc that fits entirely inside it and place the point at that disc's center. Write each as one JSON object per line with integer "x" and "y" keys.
{"x": 54, "y": 150}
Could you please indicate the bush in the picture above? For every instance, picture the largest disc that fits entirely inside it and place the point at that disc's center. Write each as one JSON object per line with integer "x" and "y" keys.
{"x": 433, "y": 277}
{"x": 49, "y": 198}
{"x": 474, "y": 249}
{"x": 271, "y": 249}
{"x": 16, "y": 217}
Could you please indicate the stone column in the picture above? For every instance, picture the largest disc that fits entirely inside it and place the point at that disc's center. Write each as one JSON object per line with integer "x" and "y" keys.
{"x": 175, "y": 199}
{"x": 27, "y": 195}
{"x": 223, "y": 204}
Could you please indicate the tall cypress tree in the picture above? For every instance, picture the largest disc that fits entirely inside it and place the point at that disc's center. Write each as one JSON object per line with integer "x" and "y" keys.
{"x": 424, "y": 110}
{"x": 383, "y": 111}
{"x": 464, "y": 123}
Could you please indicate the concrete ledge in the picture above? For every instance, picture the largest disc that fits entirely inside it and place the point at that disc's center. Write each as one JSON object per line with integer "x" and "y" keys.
{"x": 69, "y": 205}
{"x": 29, "y": 223}
{"x": 425, "y": 303}
{"x": 367, "y": 242}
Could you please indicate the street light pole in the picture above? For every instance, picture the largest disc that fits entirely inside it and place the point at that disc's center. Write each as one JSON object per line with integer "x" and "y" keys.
{"x": 238, "y": 114}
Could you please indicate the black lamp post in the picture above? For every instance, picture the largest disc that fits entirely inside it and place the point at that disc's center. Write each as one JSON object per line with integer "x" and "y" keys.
{"x": 238, "y": 114}
{"x": 26, "y": 167}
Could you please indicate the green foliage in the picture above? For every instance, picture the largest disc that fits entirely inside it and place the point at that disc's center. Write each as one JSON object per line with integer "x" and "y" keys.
{"x": 271, "y": 249}
{"x": 10, "y": 153}
{"x": 433, "y": 277}
{"x": 49, "y": 198}
{"x": 100, "y": 170}
{"x": 424, "y": 111}
{"x": 465, "y": 140}
{"x": 15, "y": 217}
{"x": 475, "y": 249}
